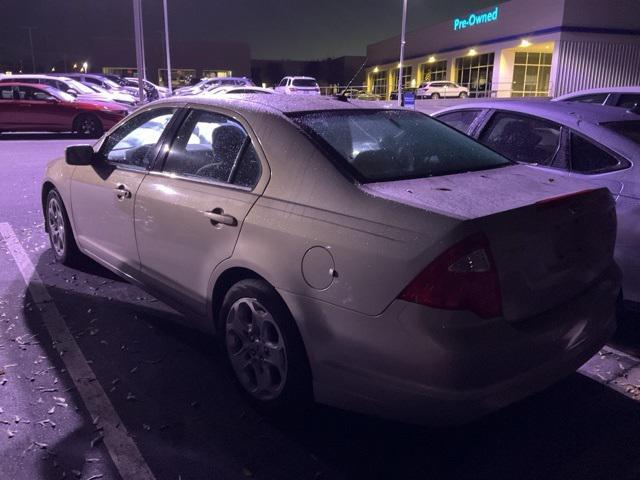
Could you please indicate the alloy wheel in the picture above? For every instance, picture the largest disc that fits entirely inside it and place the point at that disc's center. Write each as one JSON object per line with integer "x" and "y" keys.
{"x": 57, "y": 231}
{"x": 256, "y": 349}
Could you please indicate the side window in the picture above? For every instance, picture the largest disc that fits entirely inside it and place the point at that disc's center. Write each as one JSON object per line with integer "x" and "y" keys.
{"x": 460, "y": 120}
{"x": 522, "y": 138}
{"x": 26, "y": 93}
{"x": 134, "y": 142}
{"x": 628, "y": 100}
{"x": 6, "y": 93}
{"x": 214, "y": 147}
{"x": 41, "y": 95}
{"x": 587, "y": 157}
{"x": 591, "y": 98}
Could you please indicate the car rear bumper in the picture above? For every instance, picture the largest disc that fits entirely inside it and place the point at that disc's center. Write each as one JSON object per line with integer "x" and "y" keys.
{"x": 421, "y": 365}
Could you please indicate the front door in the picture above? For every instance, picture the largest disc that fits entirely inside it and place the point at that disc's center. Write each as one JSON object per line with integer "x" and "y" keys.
{"x": 103, "y": 194}
{"x": 189, "y": 211}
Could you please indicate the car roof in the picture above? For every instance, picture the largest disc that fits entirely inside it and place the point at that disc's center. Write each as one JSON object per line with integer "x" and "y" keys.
{"x": 23, "y": 84}
{"x": 626, "y": 89}
{"x": 282, "y": 104}
{"x": 585, "y": 118}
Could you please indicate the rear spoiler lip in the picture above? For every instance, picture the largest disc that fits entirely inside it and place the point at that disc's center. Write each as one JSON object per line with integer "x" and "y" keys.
{"x": 548, "y": 202}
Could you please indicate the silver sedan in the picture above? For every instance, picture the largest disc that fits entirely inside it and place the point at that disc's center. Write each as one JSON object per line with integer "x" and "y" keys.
{"x": 596, "y": 144}
{"x": 371, "y": 259}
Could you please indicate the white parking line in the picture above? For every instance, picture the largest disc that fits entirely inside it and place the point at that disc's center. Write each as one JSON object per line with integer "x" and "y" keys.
{"x": 122, "y": 449}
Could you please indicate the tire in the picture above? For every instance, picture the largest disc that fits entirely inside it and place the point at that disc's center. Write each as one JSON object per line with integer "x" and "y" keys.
{"x": 263, "y": 349}
{"x": 435, "y": 96}
{"x": 463, "y": 95}
{"x": 61, "y": 236}
{"x": 88, "y": 125}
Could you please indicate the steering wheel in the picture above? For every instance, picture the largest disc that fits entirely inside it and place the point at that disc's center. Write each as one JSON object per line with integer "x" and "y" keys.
{"x": 208, "y": 170}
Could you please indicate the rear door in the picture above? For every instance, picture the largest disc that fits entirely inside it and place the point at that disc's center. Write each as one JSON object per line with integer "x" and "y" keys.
{"x": 103, "y": 194}
{"x": 190, "y": 208}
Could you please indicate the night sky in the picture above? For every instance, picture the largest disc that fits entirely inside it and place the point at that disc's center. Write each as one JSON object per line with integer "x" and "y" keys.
{"x": 275, "y": 29}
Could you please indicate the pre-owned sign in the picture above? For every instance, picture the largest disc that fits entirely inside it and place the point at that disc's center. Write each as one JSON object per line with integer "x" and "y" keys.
{"x": 476, "y": 19}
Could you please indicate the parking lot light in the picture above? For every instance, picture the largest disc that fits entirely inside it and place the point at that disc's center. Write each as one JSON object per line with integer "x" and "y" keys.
{"x": 85, "y": 66}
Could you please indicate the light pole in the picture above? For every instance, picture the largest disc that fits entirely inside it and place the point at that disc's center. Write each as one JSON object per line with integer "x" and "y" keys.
{"x": 137, "y": 25}
{"x": 402, "y": 42}
{"x": 166, "y": 45}
{"x": 33, "y": 56}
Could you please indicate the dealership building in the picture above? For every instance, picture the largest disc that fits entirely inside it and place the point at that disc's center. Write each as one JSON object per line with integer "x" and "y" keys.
{"x": 518, "y": 48}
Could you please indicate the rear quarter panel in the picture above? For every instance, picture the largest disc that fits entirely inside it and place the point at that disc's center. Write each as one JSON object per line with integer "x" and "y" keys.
{"x": 377, "y": 246}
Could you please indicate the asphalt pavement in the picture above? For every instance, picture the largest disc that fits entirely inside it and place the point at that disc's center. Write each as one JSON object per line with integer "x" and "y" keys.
{"x": 165, "y": 395}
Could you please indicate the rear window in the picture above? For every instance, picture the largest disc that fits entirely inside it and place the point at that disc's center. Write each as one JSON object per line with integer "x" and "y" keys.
{"x": 630, "y": 130}
{"x": 305, "y": 82}
{"x": 385, "y": 145}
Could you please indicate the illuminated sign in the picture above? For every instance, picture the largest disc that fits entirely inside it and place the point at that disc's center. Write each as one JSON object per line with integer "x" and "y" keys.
{"x": 476, "y": 19}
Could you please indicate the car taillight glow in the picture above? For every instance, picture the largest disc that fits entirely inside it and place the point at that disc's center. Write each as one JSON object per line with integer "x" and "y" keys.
{"x": 463, "y": 277}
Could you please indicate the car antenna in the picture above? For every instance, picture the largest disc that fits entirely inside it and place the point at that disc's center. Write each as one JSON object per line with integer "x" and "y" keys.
{"x": 342, "y": 95}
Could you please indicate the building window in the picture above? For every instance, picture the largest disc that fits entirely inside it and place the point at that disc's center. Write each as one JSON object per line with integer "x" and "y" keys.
{"x": 406, "y": 78}
{"x": 475, "y": 73}
{"x": 531, "y": 73}
{"x": 434, "y": 72}
{"x": 121, "y": 71}
{"x": 379, "y": 83}
{"x": 216, "y": 73}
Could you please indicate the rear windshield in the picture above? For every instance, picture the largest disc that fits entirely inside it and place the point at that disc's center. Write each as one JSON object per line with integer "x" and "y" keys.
{"x": 631, "y": 130}
{"x": 384, "y": 145}
{"x": 304, "y": 82}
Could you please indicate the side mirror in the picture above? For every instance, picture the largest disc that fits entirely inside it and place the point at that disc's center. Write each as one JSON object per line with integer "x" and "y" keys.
{"x": 79, "y": 155}
{"x": 71, "y": 91}
{"x": 52, "y": 100}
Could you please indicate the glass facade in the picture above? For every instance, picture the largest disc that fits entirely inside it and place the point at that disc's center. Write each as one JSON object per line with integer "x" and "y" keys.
{"x": 379, "y": 83}
{"x": 433, "y": 72}
{"x": 531, "y": 73}
{"x": 406, "y": 78}
{"x": 475, "y": 72}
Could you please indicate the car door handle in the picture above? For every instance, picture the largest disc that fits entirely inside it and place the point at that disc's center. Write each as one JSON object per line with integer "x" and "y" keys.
{"x": 217, "y": 217}
{"x": 122, "y": 191}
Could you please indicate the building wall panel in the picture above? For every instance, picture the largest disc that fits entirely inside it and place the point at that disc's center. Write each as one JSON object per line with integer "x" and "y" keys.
{"x": 588, "y": 64}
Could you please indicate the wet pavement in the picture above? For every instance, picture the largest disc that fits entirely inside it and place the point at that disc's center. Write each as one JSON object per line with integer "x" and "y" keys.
{"x": 174, "y": 404}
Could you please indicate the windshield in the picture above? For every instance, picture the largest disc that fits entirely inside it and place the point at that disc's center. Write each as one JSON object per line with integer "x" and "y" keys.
{"x": 305, "y": 82}
{"x": 385, "y": 145}
{"x": 630, "y": 130}
{"x": 54, "y": 92}
{"x": 79, "y": 87}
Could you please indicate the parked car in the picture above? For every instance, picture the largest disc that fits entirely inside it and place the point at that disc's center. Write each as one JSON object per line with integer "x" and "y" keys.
{"x": 207, "y": 84}
{"x": 162, "y": 92}
{"x": 359, "y": 94}
{"x": 597, "y": 144}
{"x": 102, "y": 81}
{"x": 394, "y": 95}
{"x": 624, "y": 97}
{"x": 64, "y": 84}
{"x": 441, "y": 89}
{"x": 227, "y": 89}
{"x": 298, "y": 86}
{"x": 28, "y": 107}
{"x": 113, "y": 95}
{"x": 378, "y": 273}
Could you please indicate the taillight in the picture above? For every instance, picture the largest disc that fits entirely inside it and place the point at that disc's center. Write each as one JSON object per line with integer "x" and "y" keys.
{"x": 463, "y": 277}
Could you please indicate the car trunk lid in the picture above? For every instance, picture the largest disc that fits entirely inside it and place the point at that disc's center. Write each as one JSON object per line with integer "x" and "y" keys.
{"x": 551, "y": 237}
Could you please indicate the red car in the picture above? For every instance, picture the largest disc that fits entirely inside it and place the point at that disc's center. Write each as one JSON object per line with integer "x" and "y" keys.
{"x": 27, "y": 107}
